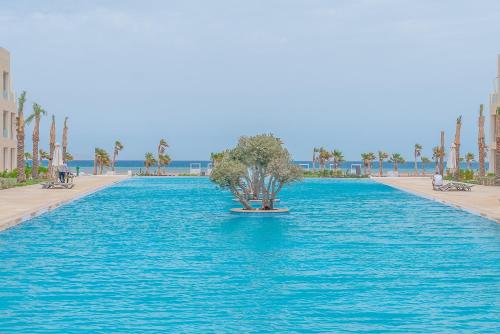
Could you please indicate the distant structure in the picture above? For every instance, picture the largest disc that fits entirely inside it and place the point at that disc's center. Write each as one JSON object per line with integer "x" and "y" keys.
{"x": 8, "y": 142}
{"x": 494, "y": 104}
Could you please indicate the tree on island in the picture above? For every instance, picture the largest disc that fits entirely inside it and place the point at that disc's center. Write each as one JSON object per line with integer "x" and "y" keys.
{"x": 257, "y": 168}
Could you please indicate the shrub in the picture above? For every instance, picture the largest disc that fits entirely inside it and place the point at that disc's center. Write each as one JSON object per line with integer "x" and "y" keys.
{"x": 7, "y": 182}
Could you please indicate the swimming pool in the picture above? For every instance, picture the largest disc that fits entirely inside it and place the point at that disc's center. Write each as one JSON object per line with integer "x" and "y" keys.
{"x": 164, "y": 254}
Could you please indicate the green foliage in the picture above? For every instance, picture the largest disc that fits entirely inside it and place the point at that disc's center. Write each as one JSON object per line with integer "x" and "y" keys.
{"x": 7, "y": 182}
{"x": 257, "y": 166}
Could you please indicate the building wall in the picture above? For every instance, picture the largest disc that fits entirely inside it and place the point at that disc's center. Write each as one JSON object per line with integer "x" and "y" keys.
{"x": 8, "y": 114}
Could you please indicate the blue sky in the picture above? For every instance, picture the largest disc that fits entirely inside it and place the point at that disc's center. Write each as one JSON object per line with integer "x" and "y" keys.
{"x": 359, "y": 75}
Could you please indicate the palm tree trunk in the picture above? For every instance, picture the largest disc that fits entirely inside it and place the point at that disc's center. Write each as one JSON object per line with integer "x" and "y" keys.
{"x": 416, "y": 164}
{"x": 21, "y": 174}
{"x": 36, "y": 139}
{"x": 95, "y": 163}
{"x": 423, "y": 169}
{"x": 113, "y": 162}
{"x": 441, "y": 155}
{"x": 481, "y": 142}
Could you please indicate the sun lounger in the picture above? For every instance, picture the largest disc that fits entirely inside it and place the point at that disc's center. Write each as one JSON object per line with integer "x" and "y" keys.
{"x": 454, "y": 186}
{"x": 57, "y": 185}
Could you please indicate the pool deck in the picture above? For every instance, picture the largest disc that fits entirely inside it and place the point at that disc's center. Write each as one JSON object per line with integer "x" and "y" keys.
{"x": 22, "y": 203}
{"x": 481, "y": 200}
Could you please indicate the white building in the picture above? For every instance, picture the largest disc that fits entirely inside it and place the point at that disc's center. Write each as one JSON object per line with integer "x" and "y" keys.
{"x": 494, "y": 104}
{"x": 8, "y": 114}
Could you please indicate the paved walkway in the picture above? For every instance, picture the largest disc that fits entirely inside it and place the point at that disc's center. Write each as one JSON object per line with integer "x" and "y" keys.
{"x": 482, "y": 200}
{"x": 22, "y": 203}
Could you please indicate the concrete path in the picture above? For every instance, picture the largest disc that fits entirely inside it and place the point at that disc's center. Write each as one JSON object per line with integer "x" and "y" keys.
{"x": 22, "y": 203}
{"x": 482, "y": 200}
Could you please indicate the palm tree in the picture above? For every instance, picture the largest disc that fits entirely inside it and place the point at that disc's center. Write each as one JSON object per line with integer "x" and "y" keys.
{"x": 367, "y": 159}
{"x": 149, "y": 161}
{"x": 28, "y": 156}
{"x": 381, "y": 157}
{"x": 424, "y": 160}
{"x": 21, "y": 175}
{"x": 435, "y": 157}
{"x": 65, "y": 139}
{"x": 364, "y": 160}
{"x": 469, "y": 157}
{"x": 441, "y": 155}
{"x": 457, "y": 145}
{"x": 161, "y": 150}
{"x": 69, "y": 157}
{"x": 43, "y": 156}
{"x": 164, "y": 159}
{"x": 338, "y": 158}
{"x": 118, "y": 147}
{"x": 95, "y": 160}
{"x": 323, "y": 157}
{"x": 38, "y": 112}
{"x": 315, "y": 150}
{"x": 396, "y": 159}
{"x": 481, "y": 142}
{"x": 497, "y": 149}
{"x": 101, "y": 159}
{"x": 416, "y": 153}
{"x": 52, "y": 145}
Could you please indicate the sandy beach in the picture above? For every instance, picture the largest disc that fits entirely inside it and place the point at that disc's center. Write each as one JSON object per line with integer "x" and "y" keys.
{"x": 482, "y": 200}
{"x": 22, "y": 203}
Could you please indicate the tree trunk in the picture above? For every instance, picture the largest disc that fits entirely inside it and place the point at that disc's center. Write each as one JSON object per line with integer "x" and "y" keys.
{"x": 380, "y": 171}
{"x": 457, "y": 149}
{"x": 481, "y": 142}
{"x": 441, "y": 155}
{"x": 21, "y": 174}
{"x": 36, "y": 139}
{"x": 95, "y": 164}
{"x": 497, "y": 149}
{"x": 416, "y": 164}
{"x": 113, "y": 162}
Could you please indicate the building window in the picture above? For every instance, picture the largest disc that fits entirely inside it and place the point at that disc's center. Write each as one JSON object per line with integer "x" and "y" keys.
{"x": 4, "y": 124}
{"x": 5, "y": 84}
{"x": 12, "y": 125}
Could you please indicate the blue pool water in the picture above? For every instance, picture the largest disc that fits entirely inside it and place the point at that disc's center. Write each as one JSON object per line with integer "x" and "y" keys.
{"x": 164, "y": 255}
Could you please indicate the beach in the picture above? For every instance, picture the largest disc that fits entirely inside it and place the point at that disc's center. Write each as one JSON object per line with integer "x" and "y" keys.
{"x": 482, "y": 200}
{"x": 22, "y": 203}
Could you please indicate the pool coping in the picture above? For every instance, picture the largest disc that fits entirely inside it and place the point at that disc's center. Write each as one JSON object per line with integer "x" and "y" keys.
{"x": 9, "y": 223}
{"x": 447, "y": 203}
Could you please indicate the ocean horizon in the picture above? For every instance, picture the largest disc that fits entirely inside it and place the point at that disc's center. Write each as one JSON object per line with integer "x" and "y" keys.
{"x": 184, "y": 166}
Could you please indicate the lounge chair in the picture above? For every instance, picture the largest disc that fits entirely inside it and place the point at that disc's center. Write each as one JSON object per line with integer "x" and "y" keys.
{"x": 454, "y": 186}
{"x": 57, "y": 185}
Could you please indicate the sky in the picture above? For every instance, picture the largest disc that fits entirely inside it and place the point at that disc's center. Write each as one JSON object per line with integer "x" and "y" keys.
{"x": 358, "y": 75}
